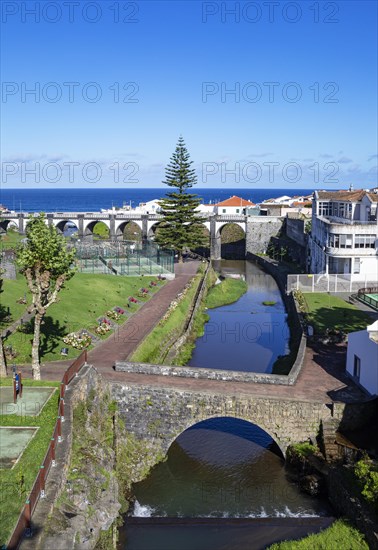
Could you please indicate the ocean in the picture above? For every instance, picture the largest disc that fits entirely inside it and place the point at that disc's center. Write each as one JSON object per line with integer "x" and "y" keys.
{"x": 92, "y": 200}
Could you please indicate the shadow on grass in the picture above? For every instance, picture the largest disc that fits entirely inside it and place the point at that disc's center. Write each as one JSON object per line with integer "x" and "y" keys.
{"x": 52, "y": 332}
{"x": 337, "y": 317}
{"x": 51, "y": 335}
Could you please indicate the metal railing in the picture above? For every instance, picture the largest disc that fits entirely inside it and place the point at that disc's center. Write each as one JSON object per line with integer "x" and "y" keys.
{"x": 38, "y": 490}
{"x": 322, "y": 282}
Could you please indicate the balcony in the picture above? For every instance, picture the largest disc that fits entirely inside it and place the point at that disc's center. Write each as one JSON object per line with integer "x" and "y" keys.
{"x": 346, "y": 221}
{"x": 350, "y": 252}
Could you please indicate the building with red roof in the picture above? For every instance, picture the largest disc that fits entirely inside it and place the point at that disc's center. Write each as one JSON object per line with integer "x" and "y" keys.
{"x": 233, "y": 205}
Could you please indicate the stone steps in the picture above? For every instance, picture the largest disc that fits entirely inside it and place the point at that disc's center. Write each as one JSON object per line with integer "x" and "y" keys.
{"x": 329, "y": 430}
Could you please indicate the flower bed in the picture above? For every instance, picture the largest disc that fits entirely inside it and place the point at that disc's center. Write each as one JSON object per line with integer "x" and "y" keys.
{"x": 113, "y": 314}
{"x": 103, "y": 328}
{"x": 133, "y": 300}
{"x": 78, "y": 341}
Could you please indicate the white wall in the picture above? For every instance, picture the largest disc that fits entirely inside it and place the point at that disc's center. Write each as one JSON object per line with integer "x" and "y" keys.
{"x": 360, "y": 344}
{"x": 231, "y": 210}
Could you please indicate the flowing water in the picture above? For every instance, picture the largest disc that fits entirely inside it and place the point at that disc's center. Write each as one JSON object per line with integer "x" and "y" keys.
{"x": 219, "y": 468}
{"x": 246, "y": 335}
{"x": 225, "y": 467}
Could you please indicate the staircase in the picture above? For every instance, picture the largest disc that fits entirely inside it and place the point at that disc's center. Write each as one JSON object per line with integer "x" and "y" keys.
{"x": 102, "y": 260}
{"x": 330, "y": 449}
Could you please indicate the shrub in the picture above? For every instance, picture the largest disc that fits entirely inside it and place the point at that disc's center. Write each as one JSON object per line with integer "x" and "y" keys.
{"x": 366, "y": 471}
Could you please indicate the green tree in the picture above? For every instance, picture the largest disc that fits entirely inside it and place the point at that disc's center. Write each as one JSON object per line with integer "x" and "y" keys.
{"x": 181, "y": 227}
{"x": 46, "y": 264}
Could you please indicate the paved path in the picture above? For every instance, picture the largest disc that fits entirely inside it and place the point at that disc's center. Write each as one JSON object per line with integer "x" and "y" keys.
{"x": 322, "y": 378}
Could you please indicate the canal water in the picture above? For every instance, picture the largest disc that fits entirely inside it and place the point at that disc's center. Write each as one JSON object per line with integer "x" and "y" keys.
{"x": 225, "y": 468}
{"x": 246, "y": 335}
{"x": 219, "y": 468}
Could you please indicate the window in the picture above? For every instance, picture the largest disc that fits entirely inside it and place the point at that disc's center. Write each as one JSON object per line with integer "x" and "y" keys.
{"x": 237, "y": 210}
{"x": 224, "y": 211}
{"x": 357, "y": 265}
{"x": 324, "y": 209}
{"x": 364, "y": 241}
{"x": 357, "y": 367}
{"x": 333, "y": 240}
{"x": 345, "y": 241}
{"x": 340, "y": 241}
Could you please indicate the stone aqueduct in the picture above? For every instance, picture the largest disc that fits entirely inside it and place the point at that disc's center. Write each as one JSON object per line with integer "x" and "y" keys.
{"x": 257, "y": 229}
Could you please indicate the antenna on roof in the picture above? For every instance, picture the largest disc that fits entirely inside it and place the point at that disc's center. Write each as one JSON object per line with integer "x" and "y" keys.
{"x": 351, "y": 187}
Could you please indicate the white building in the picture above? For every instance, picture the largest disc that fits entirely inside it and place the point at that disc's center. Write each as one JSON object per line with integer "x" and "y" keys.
{"x": 344, "y": 233}
{"x": 362, "y": 358}
{"x": 149, "y": 207}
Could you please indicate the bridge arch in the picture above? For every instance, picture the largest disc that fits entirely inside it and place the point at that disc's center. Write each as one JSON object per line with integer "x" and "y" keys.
{"x": 156, "y": 416}
{"x": 61, "y": 225}
{"x": 132, "y": 228}
{"x": 232, "y": 238}
{"x": 89, "y": 225}
{"x": 6, "y": 225}
{"x": 152, "y": 229}
{"x": 260, "y": 431}
{"x": 221, "y": 225}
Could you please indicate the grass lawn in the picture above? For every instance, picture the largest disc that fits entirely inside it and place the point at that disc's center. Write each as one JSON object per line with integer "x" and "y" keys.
{"x": 84, "y": 298}
{"x": 227, "y": 292}
{"x": 12, "y": 291}
{"x": 11, "y": 239}
{"x": 17, "y": 482}
{"x": 327, "y": 311}
{"x": 339, "y": 535}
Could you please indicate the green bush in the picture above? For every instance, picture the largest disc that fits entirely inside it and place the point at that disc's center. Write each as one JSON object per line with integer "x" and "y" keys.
{"x": 304, "y": 449}
{"x": 340, "y": 535}
{"x": 366, "y": 471}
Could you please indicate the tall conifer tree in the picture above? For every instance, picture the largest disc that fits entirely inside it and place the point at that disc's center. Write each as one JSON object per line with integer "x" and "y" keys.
{"x": 181, "y": 227}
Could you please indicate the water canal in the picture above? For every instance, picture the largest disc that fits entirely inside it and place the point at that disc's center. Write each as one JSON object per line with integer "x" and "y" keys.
{"x": 246, "y": 335}
{"x": 225, "y": 467}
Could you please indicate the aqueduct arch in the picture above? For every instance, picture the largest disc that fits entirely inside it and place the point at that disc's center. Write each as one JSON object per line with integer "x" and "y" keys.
{"x": 90, "y": 225}
{"x": 62, "y": 224}
{"x": 232, "y": 239}
{"x": 6, "y": 225}
{"x": 131, "y": 228}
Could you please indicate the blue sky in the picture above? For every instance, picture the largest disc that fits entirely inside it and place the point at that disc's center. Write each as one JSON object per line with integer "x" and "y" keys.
{"x": 177, "y": 60}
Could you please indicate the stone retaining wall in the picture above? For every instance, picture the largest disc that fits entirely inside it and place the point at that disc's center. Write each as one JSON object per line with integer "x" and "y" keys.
{"x": 213, "y": 374}
{"x": 297, "y": 335}
{"x": 259, "y": 232}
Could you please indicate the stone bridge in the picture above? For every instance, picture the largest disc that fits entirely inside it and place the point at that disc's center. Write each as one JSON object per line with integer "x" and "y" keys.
{"x": 157, "y": 409}
{"x": 257, "y": 229}
{"x": 159, "y": 415}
